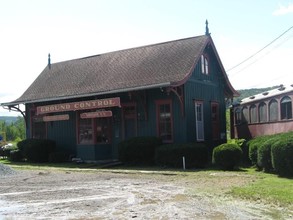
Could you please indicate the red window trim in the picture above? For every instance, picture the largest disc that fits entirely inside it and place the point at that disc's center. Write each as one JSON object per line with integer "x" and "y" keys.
{"x": 163, "y": 102}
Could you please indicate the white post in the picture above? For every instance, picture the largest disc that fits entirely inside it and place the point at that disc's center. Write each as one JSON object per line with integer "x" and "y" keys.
{"x": 183, "y": 160}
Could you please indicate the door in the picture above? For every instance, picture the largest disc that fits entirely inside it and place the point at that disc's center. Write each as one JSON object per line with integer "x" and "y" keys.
{"x": 199, "y": 121}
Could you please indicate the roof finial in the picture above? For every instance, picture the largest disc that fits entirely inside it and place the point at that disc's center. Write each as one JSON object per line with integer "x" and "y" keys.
{"x": 207, "y": 28}
{"x": 49, "y": 61}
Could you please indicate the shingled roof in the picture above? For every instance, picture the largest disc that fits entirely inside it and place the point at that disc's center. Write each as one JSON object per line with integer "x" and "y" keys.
{"x": 158, "y": 65}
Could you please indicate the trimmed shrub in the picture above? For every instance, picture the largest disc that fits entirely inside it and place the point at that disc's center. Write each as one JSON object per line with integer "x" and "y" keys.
{"x": 264, "y": 160}
{"x": 170, "y": 155}
{"x": 138, "y": 150}
{"x": 16, "y": 156}
{"x": 282, "y": 154}
{"x": 253, "y": 146}
{"x": 227, "y": 156}
{"x": 36, "y": 150}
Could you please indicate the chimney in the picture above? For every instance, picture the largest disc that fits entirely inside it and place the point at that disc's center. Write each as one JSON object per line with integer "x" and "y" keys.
{"x": 49, "y": 61}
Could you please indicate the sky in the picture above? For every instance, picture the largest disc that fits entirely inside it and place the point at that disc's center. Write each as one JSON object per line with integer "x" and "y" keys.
{"x": 257, "y": 32}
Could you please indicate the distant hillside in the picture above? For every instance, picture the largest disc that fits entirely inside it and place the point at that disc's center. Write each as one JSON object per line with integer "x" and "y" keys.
{"x": 244, "y": 93}
{"x": 8, "y": 119}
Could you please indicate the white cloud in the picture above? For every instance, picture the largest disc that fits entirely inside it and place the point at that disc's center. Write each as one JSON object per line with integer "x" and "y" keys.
{"x": 282, "y": 10}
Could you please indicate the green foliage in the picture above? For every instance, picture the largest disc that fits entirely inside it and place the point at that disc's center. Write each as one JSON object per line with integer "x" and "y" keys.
{"x": 253, "y": 146}
{"x": 16, "y": 156}
{"x": 227, "y": 156}
{"x": 14, "y": 130}
{"x": 36, "y": 150}
{"x": 282, "y": 154}
{"x": 171, "y": 155}
{"x": 138, "y": 150}
{"x": 264, "y": 160}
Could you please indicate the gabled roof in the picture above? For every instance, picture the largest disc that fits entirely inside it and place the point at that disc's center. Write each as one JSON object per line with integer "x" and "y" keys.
{"x": 152, "y": 66}
{"x": 281, "y": 90}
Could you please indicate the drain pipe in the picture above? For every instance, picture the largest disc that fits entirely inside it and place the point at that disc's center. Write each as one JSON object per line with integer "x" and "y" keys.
{"x": 183, "y": 160}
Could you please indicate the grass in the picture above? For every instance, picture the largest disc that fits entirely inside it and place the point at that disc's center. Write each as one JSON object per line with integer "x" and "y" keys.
{"x": 268, "y": 188}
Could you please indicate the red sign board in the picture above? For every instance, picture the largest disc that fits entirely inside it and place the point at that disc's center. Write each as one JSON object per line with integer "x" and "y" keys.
{"x": 84, "y": 105}
{"x": 98, "y": 114}
{"x": 56, "y": 118}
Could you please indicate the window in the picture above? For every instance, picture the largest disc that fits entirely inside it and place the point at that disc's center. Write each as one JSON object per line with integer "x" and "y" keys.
{"x": 204, "y": 65}
{"x": 253, "y": 114}
{"x": 199, "y": 121}
{"x": 273, "y": 110}
{"x": 238, "y": 118}
{"x": 103, "y": 130}
{"x": 262, "y": 112}
{"x": 85, "y": 131}
{"x": 245, "y": 115}
{"x": 164, "y": 121}
{"x": 286, "y": 108}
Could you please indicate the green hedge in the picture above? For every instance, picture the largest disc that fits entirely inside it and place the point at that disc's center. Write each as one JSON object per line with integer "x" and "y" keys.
{"x": 253, "y": 146}
{"x": 227, "y": 156}
{"x": 264, "y": 159}
{"x": 282, "y": 154}
{"x": 36, "y": 150}
{"x": 16, "y": 156}
{"x": 171, "y": 155}
{"x": 138, "y": 150}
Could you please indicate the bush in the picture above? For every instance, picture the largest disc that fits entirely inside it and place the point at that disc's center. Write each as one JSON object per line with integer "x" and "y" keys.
{"x": 16, "y": 156}
{"x": 196, "y": 155}
{"x": 138, "y": 150}
{"x": 264, "y": 160}
{"x": 253, "y": 146}
{"x": 36, "y": 150}
{"x": 282, "y": 154}
{"x": 227, "y": 156}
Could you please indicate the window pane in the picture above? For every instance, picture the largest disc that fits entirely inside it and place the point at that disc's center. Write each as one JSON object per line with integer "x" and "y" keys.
{"x": 85, "y": 131}
{"x": 286, "y": 108}
{"x": 253, "y": 116}
{"x": 103, "y": 130}
{"x": 262, "y": 111}
{"x": 245, "y": 115}
{"x": 238, "y": 116}
{"x": 273, "y": 110}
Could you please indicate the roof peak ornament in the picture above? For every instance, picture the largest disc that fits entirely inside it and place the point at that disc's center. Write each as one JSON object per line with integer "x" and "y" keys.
{"x": 49, "y": 61}
{"x": 207, "y": 29}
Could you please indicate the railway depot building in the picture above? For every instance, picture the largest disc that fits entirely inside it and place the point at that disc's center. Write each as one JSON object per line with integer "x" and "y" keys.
{"x": 174, "y": 90}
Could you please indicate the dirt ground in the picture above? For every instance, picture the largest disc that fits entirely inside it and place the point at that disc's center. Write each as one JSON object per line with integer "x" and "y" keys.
{"x": 110, "y": 194}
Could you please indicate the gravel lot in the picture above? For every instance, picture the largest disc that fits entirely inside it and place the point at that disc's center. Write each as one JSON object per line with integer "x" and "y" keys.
{"x": 113, "y": 194}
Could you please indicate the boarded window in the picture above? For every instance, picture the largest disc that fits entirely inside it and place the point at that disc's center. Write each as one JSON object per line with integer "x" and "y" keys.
{"x": 286, "y": 108}
{"x": 39, "y": 127}
{"x": 262, "y": 112}
{"x": 253, "y": 114}
{"x": 273, "y": 110}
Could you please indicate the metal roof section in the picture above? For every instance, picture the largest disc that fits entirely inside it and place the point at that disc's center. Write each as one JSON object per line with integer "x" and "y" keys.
{"x": 282, "y": 89}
